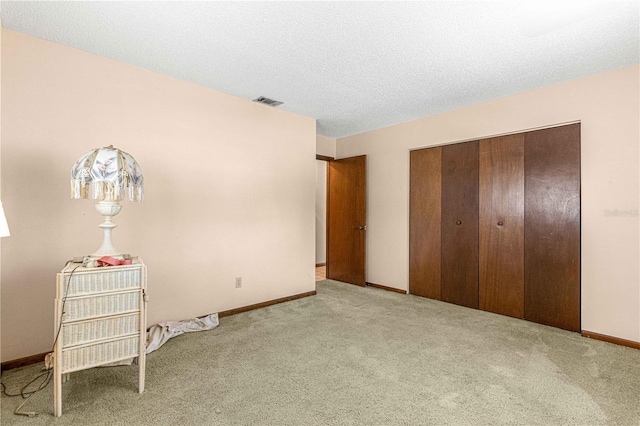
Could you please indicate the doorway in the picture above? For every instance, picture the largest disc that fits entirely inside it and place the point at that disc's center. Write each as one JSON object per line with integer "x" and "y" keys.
{"x": 321, "y": 216}
{"x": 344, "y": 219}
{"x": 346, "y": 216}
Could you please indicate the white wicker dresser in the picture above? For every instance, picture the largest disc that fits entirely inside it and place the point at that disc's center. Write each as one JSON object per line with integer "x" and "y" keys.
{"x": 103, "y": 320}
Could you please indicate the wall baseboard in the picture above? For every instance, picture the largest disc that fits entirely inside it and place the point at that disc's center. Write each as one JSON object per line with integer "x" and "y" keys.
{"x": 384, "y": 287}
{"x": 21, "y": 362}
{"x": 611, "y": 339}
{"x": 265, "y": 304}
{"x": 34, "y": 359}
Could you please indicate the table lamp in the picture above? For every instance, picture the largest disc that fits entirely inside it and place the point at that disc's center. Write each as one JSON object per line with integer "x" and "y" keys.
{"x": 108, "y": 175}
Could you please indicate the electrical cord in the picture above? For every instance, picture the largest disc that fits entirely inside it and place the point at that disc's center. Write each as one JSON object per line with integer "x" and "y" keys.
{"x": 48, "y": 374}
{"x": 28, "y": 395}
{"x": 23, "y": 391}
{"x": 64, "y": 301}
{"x": 4, "y": 391}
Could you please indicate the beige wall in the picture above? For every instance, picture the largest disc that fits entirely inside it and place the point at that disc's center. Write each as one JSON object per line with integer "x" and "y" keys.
{"x": 325, "y": 146}
{"x": 229, "y": 187}
{"x": 607, "y": 107}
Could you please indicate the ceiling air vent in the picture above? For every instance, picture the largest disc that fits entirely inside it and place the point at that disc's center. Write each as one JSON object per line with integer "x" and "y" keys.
{"x": 267, "y": 101}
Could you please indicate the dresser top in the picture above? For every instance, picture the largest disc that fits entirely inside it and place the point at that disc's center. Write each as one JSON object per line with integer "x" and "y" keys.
{"x": 77, "y": 267}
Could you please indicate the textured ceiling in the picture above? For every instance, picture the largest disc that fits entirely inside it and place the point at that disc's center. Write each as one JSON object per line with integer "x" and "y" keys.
{"x": 353, "y": 66}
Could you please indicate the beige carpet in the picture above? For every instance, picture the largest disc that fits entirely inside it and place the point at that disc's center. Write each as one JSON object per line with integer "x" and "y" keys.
{"x": 357, "y": 356}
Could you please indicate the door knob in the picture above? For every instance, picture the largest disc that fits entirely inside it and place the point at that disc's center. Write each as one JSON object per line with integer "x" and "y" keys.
{"x": 362, "y": 228}
{"x": 458, "y": 222}
{"x": 500, "y": 223}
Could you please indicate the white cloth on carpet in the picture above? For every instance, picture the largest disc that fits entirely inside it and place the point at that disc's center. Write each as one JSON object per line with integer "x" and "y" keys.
{"x": 160, "y": 333}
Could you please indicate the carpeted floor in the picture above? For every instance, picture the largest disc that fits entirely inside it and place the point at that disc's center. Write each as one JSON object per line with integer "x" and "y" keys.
{"x": 356, "y": 356}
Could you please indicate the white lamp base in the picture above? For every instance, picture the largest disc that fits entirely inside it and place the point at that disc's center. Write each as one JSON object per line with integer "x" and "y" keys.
{"x": 108, "y": 209}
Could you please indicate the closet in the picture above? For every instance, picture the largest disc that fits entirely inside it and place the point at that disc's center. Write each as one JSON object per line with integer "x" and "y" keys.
{"x": 495, "y": 225}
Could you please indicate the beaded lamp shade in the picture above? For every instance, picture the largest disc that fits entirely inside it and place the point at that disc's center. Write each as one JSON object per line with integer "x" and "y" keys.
{"x": 108, "y": 175}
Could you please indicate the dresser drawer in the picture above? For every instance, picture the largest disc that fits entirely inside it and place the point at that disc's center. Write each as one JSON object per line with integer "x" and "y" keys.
{"x": 81, "y": 357}
{"x": 111, "y": 279}
{"x": 77, "y": 308}
{"x": 76, "y": 333}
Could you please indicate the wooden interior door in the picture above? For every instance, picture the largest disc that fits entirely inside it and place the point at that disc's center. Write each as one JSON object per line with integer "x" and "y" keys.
{"x": 460, "y": 224}
{"x": 424, "y": 222}
{"x": 552, "y": 227}
{"x": 346, "y": 220}
{"x": 501, "y": 244}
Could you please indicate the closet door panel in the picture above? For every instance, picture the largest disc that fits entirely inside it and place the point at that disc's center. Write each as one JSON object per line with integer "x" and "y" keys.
{"x": 460, "y": 224}
{"x": 552, "y": 227}
{"x": 501, "y": 244}
{"x": 424, "y": 222}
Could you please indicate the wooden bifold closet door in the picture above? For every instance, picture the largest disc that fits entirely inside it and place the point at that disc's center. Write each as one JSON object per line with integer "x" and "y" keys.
{"x": 424, "y": 222}
{"x": 495, "y": 224}
{"x": 552, "y": 227}
{"x": 501, "y": 245}
{"x": 443, "y": 220}
{"x": 460, "y": 224}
